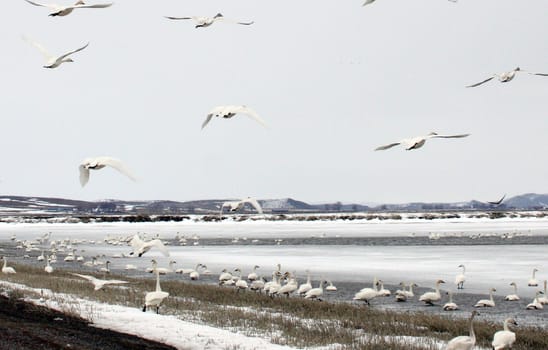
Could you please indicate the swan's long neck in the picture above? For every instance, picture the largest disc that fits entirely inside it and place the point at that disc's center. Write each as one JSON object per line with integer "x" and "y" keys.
{"x": 516, "y": 288}
{"x": 545, "y": 282}
{"x": 491, "y": 295}
{"x": 321, "y": 284}
{"x": 450, "y": 297}
{"x": 463, "y": 269}
{"x": 534, "y": 272}
{"x": 437, "y": 288}
{"x": 5, "y": 262}
{"x": 472, "y": 334}
{"x": 308, "y": 280}
{"x": 158, "y": 289}
{"x": 506, "y": 326}
{"x": 411, "y": 288}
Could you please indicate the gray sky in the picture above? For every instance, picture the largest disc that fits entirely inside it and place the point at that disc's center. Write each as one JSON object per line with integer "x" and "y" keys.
{"x": 332, "y": 79}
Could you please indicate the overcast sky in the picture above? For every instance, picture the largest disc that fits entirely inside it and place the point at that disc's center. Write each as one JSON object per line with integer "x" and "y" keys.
{"x": 332, "y": 79}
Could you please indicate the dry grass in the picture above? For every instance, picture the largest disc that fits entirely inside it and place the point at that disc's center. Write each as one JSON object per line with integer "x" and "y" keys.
{"x": 290, "y": 321}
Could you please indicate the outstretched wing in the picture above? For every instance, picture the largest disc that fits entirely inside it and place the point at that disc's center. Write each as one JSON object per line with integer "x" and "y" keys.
{"x": 43, "y": 5}
{"x": 42, "y": 49}
{"x": 382, "y": 148}
{"x": 481, "y": 82}
{"x": 367, "y": 2}
{"x": 498, "y": 202}
{"x": 448, "y": 136}
{"x": 251, "y": 113}
{"x": 73, "y": 51}
{"x": 136, "y": 243}
{"x": 84, "y": 175}
{"x": 208, "y": 119}
{"x": 87, "y": 277}
{"x": 177, "y": 18}
{"x": 95, "y": 6}
{"x": 116, "y": 164}
{"x": 541, "y": 74}
{"x": 114, "y": 282}
{"x": 161, "y": 247}
{"x": 255, "y": 204}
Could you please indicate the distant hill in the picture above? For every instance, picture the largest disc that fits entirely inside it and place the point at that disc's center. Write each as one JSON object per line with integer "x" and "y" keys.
{"x": 13, "y": 205}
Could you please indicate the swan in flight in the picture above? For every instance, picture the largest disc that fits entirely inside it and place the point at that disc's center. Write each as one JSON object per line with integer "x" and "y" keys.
{"x": 7, "y": 269}
{"x": 505, "y": 77}
{"x": 487, "y": 302}
{"x": 98, "y": 283}
{"x": 513, "y": 297}
{"x": 155, "y": 298}
{"x": 450, "y": 306}
{"x": 99, "y": 163}
{"x": 464, "y": 342}
{"x": 533, "y": 281}
{"x": 430, "y": 297}
{"x": 535, "y": 304}
{"x": 67, "y": 10}
{"x": 140, "y": 247}
{"x": 418, "y": 142}
{"x": 497, "y": 203}
{"x": 230, "y": 111}
{"x": 506, "y": 338}
{"x": 460, "y": 278}
{"x": 53, "y": 61}
{"x": 237, "y": 205}
{"x": 202, "y": 22}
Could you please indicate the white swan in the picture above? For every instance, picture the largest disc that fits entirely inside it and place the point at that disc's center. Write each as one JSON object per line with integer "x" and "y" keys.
{"x": 332, "y": 288}
{"x": 275, "y": 285}
{"x": 237, "y": 205}
{"x": 202, "y": 22}
{"x": 305, "y": 287}
{"x": 67, "y": 10}
{"x": 53, "y": 61}
{"x": 464, "y": 342}
{"x": 504, "y": 77}
{"x": 402, "y": 295}
{"x": 430, "y": 297}
{"x": 315, "y": 293}
{"x": 98, "y": 283}
{"x": 368, "y": 294}
{"x": 253, "y": 275}
{"x": 382, "y": 291}
{"x": 240, "y": 283}
{"x": 99, "y": 163}
{"x": 290, "y": 286}
{"x": 105, "y": 269}
{"x": 48, "y": 267}
{"x": 162, "y": 270}
{"x": 40, "y": 257}
{"x": 506, "y": 338}
{"x": 544, "y": 300}
{"x": 487, "y": 302}
{"x": 513, "y": 297}
{"x": 140, "y": 247}
{"x": 450, "y": 305}
{"x": 155, "y": 298}
{"x": 418, "y": 142}
{"x": 535, "y": 304}
{"x": 225, "y": 276}
{"x": 230, "y": 111}
{"x": 7, "y": 269}
{"x": 194, "y": 274}
{"x": 533, "y": 281}
{"x": 258, "y": 284}
{"x": 460, "y": 278}
{"x": 130, "y": 267}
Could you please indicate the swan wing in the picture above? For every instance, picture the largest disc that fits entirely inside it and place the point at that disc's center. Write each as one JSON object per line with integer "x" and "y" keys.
{"x": 51, "y": 6}
{"x": 84, "y": 175}
{"x": 448, "y": 136}
{"x": 114, "y": 282}
{"x": 161, "y": 247}
{"x": 207, "y": 120}
{"x": 541, "y": 74}
{"x": 499, "y": 201}
{"x": 251, "y": 113}
{"x": 86, "y": 277}
{"x": 116, "y": 164}
{"x": 255, "y": 204}
{"x": 178, "y": 18}
{"x": 94, "y": 6}
{"x": 382, "y": 148}
{"x": 224, "y": 19}
{"x": 41, "y": 48}
{"x": 73, "y": 51}
{"x": 367, "y": 2}
{"x": 481, "y": 82}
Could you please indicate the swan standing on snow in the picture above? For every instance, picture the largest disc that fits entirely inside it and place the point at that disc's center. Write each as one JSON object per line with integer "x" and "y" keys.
{"x": 67, "y": 10}
{"x": 533, "y": 281}
{"x": 535, "y": 304}
{"x": 418, "y": 142}
{"x": 430, "y": 297}
{"x": 464, "y": 342}
{"x": 7, "y": 269}
{"x": 202, "y": 22}
{"x": 155, "y": 298}
{"x": 487, "y": 302}
{"x": 99, "y": 163}
{"x": 237, "y": 205}
{"x": 504, "y": 77}
{"x": 230, "y": 111}
{"x": 460, "y": 278}
{"x": 450, "y": 306}
{"x": 506, "y": 338}
{"x": 513, "y": 297}
{"x": 98, "y": 283}
{"x": 140, "y": 247}
{"x": 54, "y": 61}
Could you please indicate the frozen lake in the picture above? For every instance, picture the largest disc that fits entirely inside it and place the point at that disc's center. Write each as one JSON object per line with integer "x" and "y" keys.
{"x": 495, "y": 252}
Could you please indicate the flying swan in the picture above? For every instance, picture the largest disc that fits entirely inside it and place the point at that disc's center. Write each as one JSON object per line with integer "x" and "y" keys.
{"x": 59, "y": 10}
{"x": 98, "y": 283}
{"x": 53, "y": 61}
{"x": 230, "y": 111}
{"x": 140, "y": 247}
{"x": 505, "y": 77}
{"x": 237, "y": 205}
{"x": 99, "y": 163}
{"x": 202, "y": 22}
{"x": 418, "y": 142}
